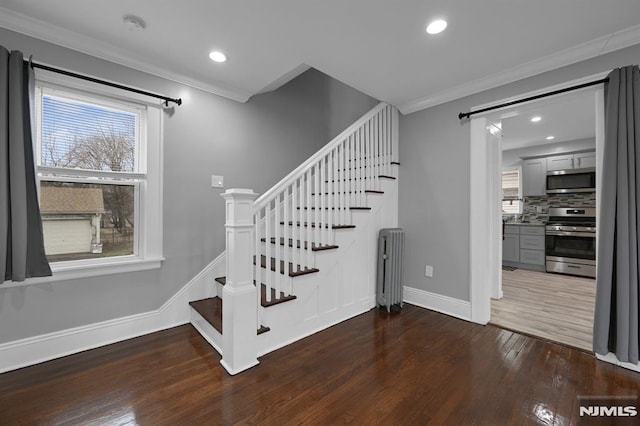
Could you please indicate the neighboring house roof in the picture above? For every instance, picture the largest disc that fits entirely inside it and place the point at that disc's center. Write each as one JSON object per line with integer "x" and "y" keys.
{"x": 71, "y": 200}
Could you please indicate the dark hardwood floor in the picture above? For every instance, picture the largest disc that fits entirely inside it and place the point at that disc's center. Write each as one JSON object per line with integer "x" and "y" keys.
{"x": 409, "y": 368}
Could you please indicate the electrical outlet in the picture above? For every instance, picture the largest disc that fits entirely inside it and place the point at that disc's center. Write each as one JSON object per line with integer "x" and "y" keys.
{"x": 428, "y": 271}
{"x": 217, "y": 181}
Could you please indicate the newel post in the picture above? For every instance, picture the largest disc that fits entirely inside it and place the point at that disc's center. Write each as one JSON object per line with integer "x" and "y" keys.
{"x": 239, "y": 310}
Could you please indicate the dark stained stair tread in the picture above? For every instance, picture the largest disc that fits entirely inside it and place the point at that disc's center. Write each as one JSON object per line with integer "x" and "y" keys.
{"x": 273, "y": 301}
{"x": 211, "y": 310}
{"x": 366, "y": 191}
{"x": 293, "y": 272}
{"x": 333, "y": 208}
{"x": 313, "y": 225}
{"x": 364, "y": 177}
{"x": 263, "y": 294}
{"x": 290, "y": 244}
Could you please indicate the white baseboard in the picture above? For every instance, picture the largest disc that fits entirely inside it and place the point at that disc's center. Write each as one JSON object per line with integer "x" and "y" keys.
{"x": 613, "y": 359}
{"x": 437, "y": 302}
{"x": 176, "y": 311}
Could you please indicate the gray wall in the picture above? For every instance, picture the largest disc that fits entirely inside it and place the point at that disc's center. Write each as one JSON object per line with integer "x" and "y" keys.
{"x": 252, "y": 145}
{"x": 434, "y": 177}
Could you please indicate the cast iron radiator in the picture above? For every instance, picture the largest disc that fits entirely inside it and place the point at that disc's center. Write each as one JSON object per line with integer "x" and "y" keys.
{"x": 389, "y": 276}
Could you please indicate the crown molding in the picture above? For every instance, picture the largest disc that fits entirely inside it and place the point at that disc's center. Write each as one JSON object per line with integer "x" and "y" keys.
{"x": 605, "y": 44}
{"x": 57, "y": 35}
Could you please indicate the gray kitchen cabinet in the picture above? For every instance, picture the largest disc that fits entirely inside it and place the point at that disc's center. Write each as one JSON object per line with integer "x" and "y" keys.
{"x": 532, "y": 257}
{"x": 523, "y": 247}
{"x": 532, "y": 245}
{"x": 571, "y": 161}
{"x": 585, "y": 159}
{"x": 560, "y": 162}
{"x": 511, "y": 248}
{"x": 534, "y": 177}
{"x": 531, "y": 242}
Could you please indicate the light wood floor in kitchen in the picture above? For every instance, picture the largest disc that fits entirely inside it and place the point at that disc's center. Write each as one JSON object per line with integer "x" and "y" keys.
{"x": 551, "y": 306}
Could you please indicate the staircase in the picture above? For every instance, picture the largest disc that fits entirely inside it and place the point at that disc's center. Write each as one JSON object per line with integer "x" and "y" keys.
{"x": 309, "y": 243}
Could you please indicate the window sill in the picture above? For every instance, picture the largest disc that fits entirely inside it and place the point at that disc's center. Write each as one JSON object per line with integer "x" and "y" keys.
{"x": 63, "y": 271}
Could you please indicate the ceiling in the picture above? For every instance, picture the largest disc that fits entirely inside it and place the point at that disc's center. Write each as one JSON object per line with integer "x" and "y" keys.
{"x": 568, "y": 117}
{"x": 377, "y": 46}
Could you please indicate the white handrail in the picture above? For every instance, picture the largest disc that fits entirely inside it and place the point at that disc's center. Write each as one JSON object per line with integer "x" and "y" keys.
{"x": 300, "y": 170}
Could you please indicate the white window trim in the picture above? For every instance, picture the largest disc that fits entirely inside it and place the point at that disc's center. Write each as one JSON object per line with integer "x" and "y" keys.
{"x": 149, "y": 213}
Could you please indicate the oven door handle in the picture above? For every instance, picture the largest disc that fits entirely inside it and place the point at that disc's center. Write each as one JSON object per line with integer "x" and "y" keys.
{"x": 571, "y": 234}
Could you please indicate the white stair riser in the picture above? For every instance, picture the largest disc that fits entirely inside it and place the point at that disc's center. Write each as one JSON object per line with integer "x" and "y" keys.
{"x": 207, "y": 331}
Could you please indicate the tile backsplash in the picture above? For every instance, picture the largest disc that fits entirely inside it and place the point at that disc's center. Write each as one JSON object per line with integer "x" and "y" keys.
{"x": 531, "y": 204}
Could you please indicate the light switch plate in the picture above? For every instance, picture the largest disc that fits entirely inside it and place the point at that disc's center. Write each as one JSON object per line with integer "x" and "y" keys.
{"x": 428, "y": 271}
{"x": 217, "y": 181}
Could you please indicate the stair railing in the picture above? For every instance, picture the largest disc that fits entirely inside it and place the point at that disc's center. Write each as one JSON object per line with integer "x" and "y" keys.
{"x": 299, "y": 213}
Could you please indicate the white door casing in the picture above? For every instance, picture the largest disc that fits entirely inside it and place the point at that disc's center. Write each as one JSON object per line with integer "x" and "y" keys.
{"x": 484, "y": 259}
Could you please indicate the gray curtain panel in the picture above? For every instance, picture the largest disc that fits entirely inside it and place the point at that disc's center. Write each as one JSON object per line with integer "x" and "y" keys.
{"x": 21, "y": 243}
{"x": 616, "y": 317}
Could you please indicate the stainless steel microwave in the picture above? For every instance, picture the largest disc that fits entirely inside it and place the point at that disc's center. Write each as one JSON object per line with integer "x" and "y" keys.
{"x": 572, "y": 180}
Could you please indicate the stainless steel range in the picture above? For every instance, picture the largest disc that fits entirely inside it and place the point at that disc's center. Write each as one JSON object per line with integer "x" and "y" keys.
{"x": 570, "y": 241}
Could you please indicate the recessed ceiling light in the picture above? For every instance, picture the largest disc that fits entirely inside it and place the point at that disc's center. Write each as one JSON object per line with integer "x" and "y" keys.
{"x": 217, "y": 56}
{"x": 550, "y": 138}
{"x": 536, "y": 119}
{"x": 437, "y": 26}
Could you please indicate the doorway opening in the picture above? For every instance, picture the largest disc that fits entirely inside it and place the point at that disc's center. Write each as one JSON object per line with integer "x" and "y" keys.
{"x": 569, "y": 125}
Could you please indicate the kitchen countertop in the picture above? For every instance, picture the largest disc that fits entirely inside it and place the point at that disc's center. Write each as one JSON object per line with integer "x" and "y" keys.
{"x": 526, "y": 223}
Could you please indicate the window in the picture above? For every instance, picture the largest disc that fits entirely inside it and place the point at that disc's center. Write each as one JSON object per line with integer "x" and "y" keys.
{"x": 99, "y": 160}
{"x": 511, "y": 198}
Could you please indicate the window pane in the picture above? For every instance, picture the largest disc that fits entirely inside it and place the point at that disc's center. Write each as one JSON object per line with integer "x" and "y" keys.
{"x": 511, "y": 206}
{"x": 88, "y": 136}
{"x": 511, "y": 192}
{"x": 85, "y": 221}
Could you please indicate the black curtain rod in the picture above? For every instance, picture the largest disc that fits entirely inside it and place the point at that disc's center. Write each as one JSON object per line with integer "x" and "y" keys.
{"x": 106, "y": 83}
{"x": 531, "y": 98}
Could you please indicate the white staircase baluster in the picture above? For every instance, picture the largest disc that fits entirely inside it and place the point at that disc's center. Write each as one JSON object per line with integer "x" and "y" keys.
{"x": 394, "y": 135}
{"x": 267, "y": 253}
{"x": 376, "y": 152}
{"x": 301, "y": 231}
{"x": 323, "y": 210}
{"x": 278, "y": 257}
{"x": 316, "y": 210}
{"x": 390, "y": 139}
{"x": 383, "y": 142}
{"x": 285, "y": 235}
{"x": 368, "y": 155}
{"x": 309, "y": 235}
{"x": 352, "y": 169}
{"x": 295, "y": 237}
{"x": 354, "y": 172}
{"x": 330, "y": 205}
{"x": 339, "y": 201}
{"x": 257, "y": 251}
